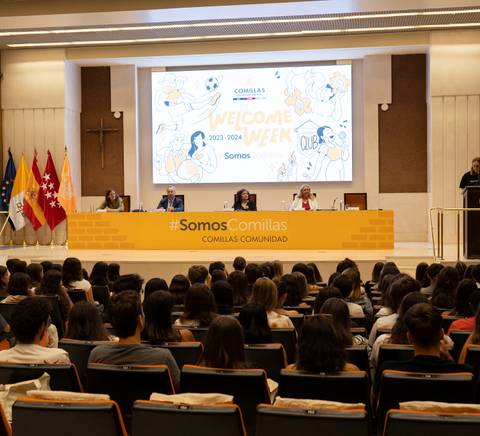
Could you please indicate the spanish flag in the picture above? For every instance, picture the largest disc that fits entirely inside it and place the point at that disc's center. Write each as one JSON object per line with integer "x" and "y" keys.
{"x": 15, "y": 211}
{"x": 66, "y": 193}
{"x": 31, "y": 208}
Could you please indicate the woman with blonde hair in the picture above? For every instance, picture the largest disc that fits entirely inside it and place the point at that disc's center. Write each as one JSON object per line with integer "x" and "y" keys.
{"x": 265, "y": 294}
{"x": 304, "y": 200}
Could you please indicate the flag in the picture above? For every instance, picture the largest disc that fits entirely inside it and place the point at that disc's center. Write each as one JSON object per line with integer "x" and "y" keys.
{"x": 7, "y": 184}
{"x": 48, "y": 195}
{"x": 15, "y": 211}
{"x": 31, "y": 208}
{"x": 66, "y": 193}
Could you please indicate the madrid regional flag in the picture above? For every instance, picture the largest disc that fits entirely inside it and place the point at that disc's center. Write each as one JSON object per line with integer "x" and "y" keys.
{"x": 15, "y": 211}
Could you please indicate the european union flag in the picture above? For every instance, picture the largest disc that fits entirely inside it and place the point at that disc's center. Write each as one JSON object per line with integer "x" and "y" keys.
{"x": 7, "y": 183}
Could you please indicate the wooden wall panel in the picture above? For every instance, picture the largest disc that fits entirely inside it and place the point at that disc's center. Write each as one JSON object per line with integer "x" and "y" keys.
{"x": 473, "y": 128}
{"x": 96, "y": 104}
{"x": 403, "y": 128}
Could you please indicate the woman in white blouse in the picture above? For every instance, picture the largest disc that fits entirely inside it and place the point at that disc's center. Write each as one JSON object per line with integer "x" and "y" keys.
{"x": 304, "y": 200}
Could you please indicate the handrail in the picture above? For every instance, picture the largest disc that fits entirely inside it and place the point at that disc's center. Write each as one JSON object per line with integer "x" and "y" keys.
{"x": 440, "y": 212}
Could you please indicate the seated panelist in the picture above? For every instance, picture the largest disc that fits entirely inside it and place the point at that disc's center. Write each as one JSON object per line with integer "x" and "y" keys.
{"x": 170, "y": 203}
{"x": 112, "y": 202}
{"x": 242, "y": 202}
{"x": 471, "y": 177}
{"x": 304, "y": 200}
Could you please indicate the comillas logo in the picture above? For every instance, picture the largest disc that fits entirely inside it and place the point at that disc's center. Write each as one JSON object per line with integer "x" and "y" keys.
{"x": 242, "y": 91}
{"x": 251, "y": 93}
{"x": 233, "y": 224}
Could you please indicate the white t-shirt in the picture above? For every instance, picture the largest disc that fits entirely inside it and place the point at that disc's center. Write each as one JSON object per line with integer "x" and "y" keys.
{"x": 81, "y": 284}
{"x": 383, "y": 323}
{"x": 33, "y": 353}
{"x": 277, "y": 321}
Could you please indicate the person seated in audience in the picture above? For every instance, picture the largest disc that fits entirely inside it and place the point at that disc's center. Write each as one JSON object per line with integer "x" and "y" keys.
{"x": 476, "y": 274}
{"x": 113, "y": 273}
{"x": 85, "y": 323}
{"x": 321, "y": 349}
{"x": 309, "y": 274}
{"x": 200, "y": 308}
{"x": 128, "y": 321}
{"x": 128, "y": 282}
{"x": 265, "y": 293}
{"x": 72, "y": 277}
{"x": 304, "y": 200}
{"x": 99, "y": 274}
{"x": 425, "y": 333}
{"x": 224, "y": 346}
{"x": 332, "y": 278}
{"x": 384, "y": 289}
{"x": 18, "y": 288}
{"x": 239, "y": 263}
{"x": 197, "y": 274}
{"x": 46, "y": 265}
{"x": 289, "y": 286}
{"x": 372, "y": 284}
{"x": 112, "y": 202}
{"x": 4, "y": 278}
{"x": 29, "y": 323}
{"x": 254, "y": 321}
{"x": 253, "y": 272}
{"x": 358, "y": 294}
{"x": 217, "y": 275}
{"x": 460, "y": 267}
{"x": 323, "y": 295}
{"x": 243, "y": 202}
{"x": 389, "y": 268}
{"x": 277, "y": 269}
{"x": 316, "y": 272}
{"x": 345, "y": 264}
{"x": 158, "y": 320}
{"x": 282, "y": 295}
{"x": 303, "y": 289}
{"x": 474, "y": 338}
{"x": 401, "y": 286}
{"x": 338, "y": 310}
{"x": 154, "y": 284}
{"x": 462, "y": 307}
{"x": 468, "y": 323}
{"x": 443, "y": 295}
{"x": 51, "y": 284}
{"x": 431, "y": 277}
{"x": 16, "y": 265}
{"x": 35, "y": 271}
{"x": 267, "y": 268}
{"x": 223, "y": 293}
{"x": 178, "y": 288}
{"x": 345, "y": 286}
{"x": 420, "y": 274}
{"x": 216, "y": 265}
{"x": 239, "y": 282}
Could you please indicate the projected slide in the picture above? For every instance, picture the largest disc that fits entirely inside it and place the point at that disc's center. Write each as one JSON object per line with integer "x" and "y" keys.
{"x": 289, "y": 124}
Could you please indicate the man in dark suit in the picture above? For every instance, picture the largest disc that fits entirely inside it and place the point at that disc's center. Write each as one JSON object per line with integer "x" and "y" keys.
{"x": 170, "y": 203}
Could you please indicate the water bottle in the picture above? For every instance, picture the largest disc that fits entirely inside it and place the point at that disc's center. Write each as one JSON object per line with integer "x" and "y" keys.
{"x": 225, "y": 205}
{"x": 340, "y": 205}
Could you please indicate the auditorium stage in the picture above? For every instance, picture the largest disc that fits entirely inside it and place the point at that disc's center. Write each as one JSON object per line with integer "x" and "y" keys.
{"x": 166, "y": 263}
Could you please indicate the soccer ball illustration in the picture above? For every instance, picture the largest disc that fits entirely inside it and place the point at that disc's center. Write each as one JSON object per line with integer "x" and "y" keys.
{"x": 211, "y": 84}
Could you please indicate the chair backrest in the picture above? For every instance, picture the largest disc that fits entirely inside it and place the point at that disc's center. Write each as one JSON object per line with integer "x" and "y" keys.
{"x": 127, "y": 383}
{"x": 396, "y": 352}
{"x": 404, "y": 422}
{"x": 346, "y": 387}
{"x": 75, "y": 418}
{"x": 185, "y": 353}
{"x": 447, "y": 321}
{"x": 297, "y": 321}
{"x": 270, "y": 357}
{"x": 358, "y": 355}
{"x": 288, "y": 338}
{"x": 304, "y": 310}
{"x": 459, "y": 337}
{"x": 362, "y": 331}
{"x": 248, "y": 387}
{"x": 277, "y": 420}
{"x": 6, "y": 310}
{"x": 102, "y": 295}
{"x": 77, "y": 295}
{"x": 252, "y": 198}
{"x": 62, "y": 377}
{"x": 360, "y": 322}
{"x": 198, "y": 420}
{"x": 354, "y": 199}
{"x": 473, "y": 359}
{"x": 400, "y": 386}
{"x": 126, "y": 202}
{"x": 199, "y": 333}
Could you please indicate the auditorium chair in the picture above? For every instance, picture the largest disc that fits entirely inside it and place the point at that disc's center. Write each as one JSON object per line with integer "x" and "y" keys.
{"x": 5, "y": 428}
{"x": 184, "y": 353}
{"x": 288, "y": 338}
{"x": 182, "y": 420}
{"x": 62, "y": 377}
{"x": 459, "y": 337}
{"x": 400, "y": 386}
{"x": 358, "y": 355}
{"x": 397, "y": 352}
{"x": 288, "y": 421}
{"x": 248, "y": 387}
{"x": 346, "y": 387}
{"x": 39, "y": 417}
{"x": 413, "y": 423}
{"x": 297, "y": 321}
{"x": 127, "y": 383}
{"x": 304, "y": 310}
{"x": 77, "y": 295}
{"x": 383, "y": 331}
{"x": 199, "y": 333}
{"x": 447, "y": 322}
{"x": 102, "y": 295}
{"x": 270, "y": 357}
{"x": 362, "y": 331}
{"x": 473, "y": 359}
{"x": 361, "y": 322}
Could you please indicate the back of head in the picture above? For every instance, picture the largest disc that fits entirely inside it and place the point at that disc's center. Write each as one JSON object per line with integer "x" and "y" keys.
{"x": 354, "y": 275}
{"x": 158, "y": 317}
{"x": 444, "y": 290}
{"x": 377, "y": 269}
{"x": 344, "y": 284}
{"x": 475, "y": 303}
{"x": 316, "y": 272}
{"x": 28, "y": 318}
{"x": 301, "y": 284}
{"x": 224, "y": 347}
{"x": 128, "y": 282}
{"x": 460, "y": 267}
{"x": 288, "y": 285}
{"x": 254, "y": 321}
{"x": 18, "y": 266}
{"x": 155, "y": 284}
{"x": 306, "y": 271}
{"x": 433, "y": 270}
{"x": 199, "y": 305}
{"x": 197, "y": 274}
{"x": 424, "y": 324}
{"x": 476, "y": 273}
{"x": 463, "y": 294}
{"x": 401, "y": 286}
{"x": 85, "y": 323}
{"x": 124, "y": 312}
{"x": 267, "y": 269}
{"x": 320, "y": 347}
{"x": 19, "y": 284}
{"x": 323, "y": 295}
{"x": 389, "y": 268}
{"x": 346, "y": 263}
{"x": 239, "y": 263}
{"x": 99, "y": 274}
{"x": 239, "y": 282}
{"x": 332, "y": 278}
{"x": 35, "y": 271}
{"x": 216, "y": 265}
{"x": 179, "y": 287}
{"x": 420, "y": 271}
{"x": 277, "y": 268}
{"x": 71, "y": 270}
{"x": 338, "y": 309}
{"x": 218, "y": 274}
{"x": 253, "y": 272}
{"x": 113, "y": 271}
{"x": 46, "y": 265}
{"x": 399, "y": 330}
{"x": 223, "y": 293}
{"x": 10, "y": 263}
{"x": 51, "y": 283}
{"x": 264, "y": 292}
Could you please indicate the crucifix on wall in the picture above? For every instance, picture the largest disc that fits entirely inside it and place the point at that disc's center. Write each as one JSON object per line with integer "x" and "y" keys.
{"x": 101, "y": 133}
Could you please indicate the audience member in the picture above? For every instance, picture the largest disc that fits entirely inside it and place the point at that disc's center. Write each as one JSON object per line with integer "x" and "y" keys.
{"x": 420, "y": 274}
{"x": 217, "y": 275}
{"x": 99, "y": 274}
{"x": 113, "y": 272}
{"x": 35, "y": 271}
{"x": 72, "y": 277}
{"x": 277, "y": 269}
{"x": 431, "y": 277}
{"x": 345, "y": 264}
{"x": 216, "y": 265}
{"x": 239, "y": 263}
{"x": 309, "y": 274}
{"x": 239, "y": 282}
{"x": 4, "y": 278}
{"x": 155, "y": 284}
{"x": 17, "y": 265}
{"x": 373, "y": 282}
{"x": 443, "y": 295}
{"x": 253, "y": 272}
{"x": 178, "y": 288}
{"x": 345, "y": 285}
{"x": 468, "y": 324}
{"x": 223, "y": 294}
{"x": 85, "y": 323}
{"x": 9, "y": 264}
{"x": 323, "y": 295}
{"x": 197, "y": 274}
{"x": 253, "y": 319}
{"x": 316, "y": 272}
{"x": 200, "y": 308}
{"x": 303, "y": 289}
{"x": 289, "y": 291}
{"x": 476, "y": 274}
{"x": 358, "y": 295}
{"x": 460, "y": 267}
{"x": 128, "y": 282}
{"x": 18, "y": 288}
{"x": 462, "y": 296}
{"x": 332, "y": 278}
{"x": 51, "y": 284}
{"x": 46, "y": 265}
{"x": 474, "y": 338}
{"x": 267, "y": 269}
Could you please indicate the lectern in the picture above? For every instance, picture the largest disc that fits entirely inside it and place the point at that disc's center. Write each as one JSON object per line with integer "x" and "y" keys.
{"x": 471, "y": 223}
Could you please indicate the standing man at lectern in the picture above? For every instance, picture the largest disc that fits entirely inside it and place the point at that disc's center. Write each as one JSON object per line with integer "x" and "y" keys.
{"x": 472, "y": 177}
{"x": 170, "y": 203}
